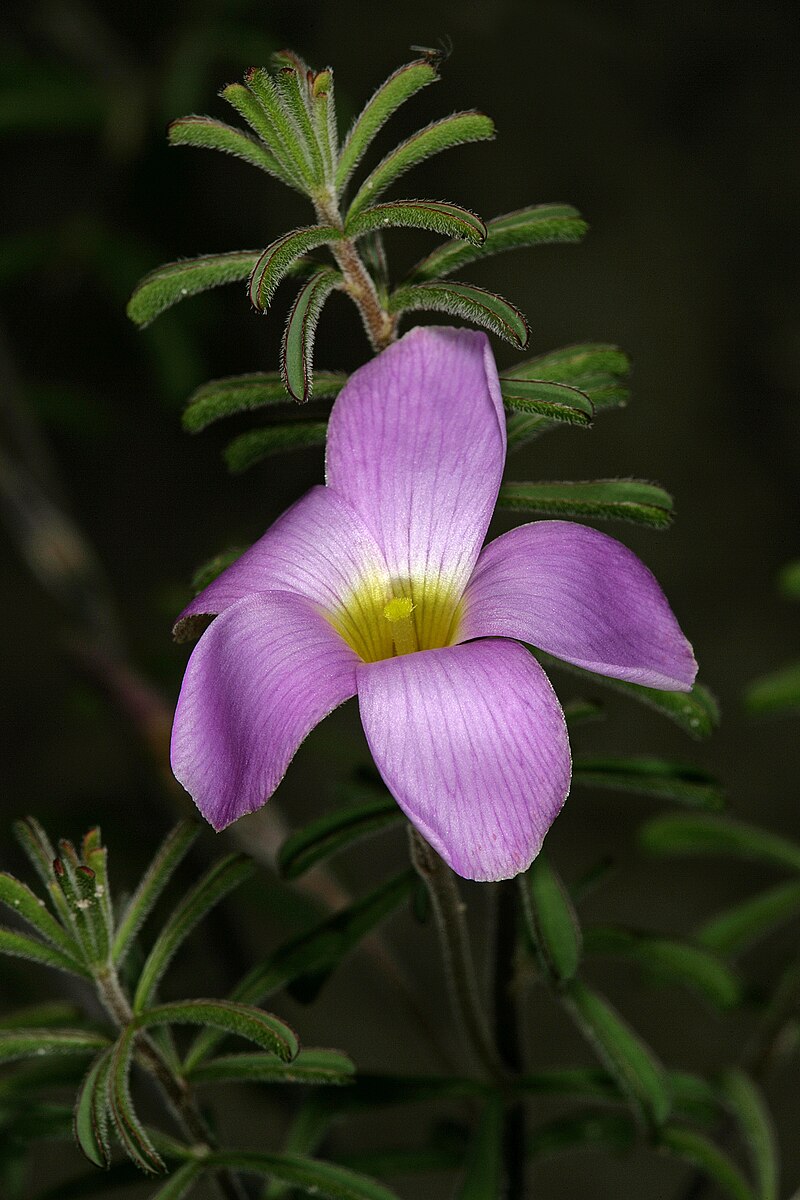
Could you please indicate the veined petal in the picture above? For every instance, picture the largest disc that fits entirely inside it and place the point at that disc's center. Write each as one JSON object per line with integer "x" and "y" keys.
{"x": 471, "y": 741}
{"x": 259, "y": 680}
{"x": 321, "y": 549}
{"x": 582, "y": 596}
{"x": 416, "y": 444}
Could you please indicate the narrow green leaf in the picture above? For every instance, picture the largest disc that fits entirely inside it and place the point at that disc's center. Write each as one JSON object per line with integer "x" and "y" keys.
{"x": 281, "y": 255}
{"x": 736, "y": 929}
{"x": 399, "y": 87}
{"x": 334, "y": 832}
{"x": 323, "y": 114}
{"x": 256, "y": 445}
{"x": 246, "y": 393}
{"x": 315, "y": 953}
{"x": 205, "y": 133}
{"x": 92, "y": 1137}
{"x": 551, "y": 920}
{"x": 310, "y": 1066}
{"x": 243, "y": 1020}
{"x": 312, "y": 1176}
{"x": 749, "y": 1108}
{"x": 450, "y": 220}
{"x": 244, "y": 101}
{"x": 633, "y": 1065}
{"x": 33, "y": 1043}
{"x": 40, "y": 1015}
{"x": 213, "y": 568}
{"x": 587, "y": 1131}
{"x": 19, "y": 945}
{"x": 297, "y": 345}
{"x": 467, "y": 302}
{"x": 129, "y": 1129}
{"x": 684, "y": 834}
{"x": 578, "y": 712}
{"x": 180, "y": 1183}
{"x": 656, "y": 777}
{"x": 483, "y": 1169}
{"x": 692, "y": 1096}
{"x": 600, "y": 499}
{"x": 166, "y": 285}
{"x": 777, "y": 692}
{"x": 696, "y": 712}
{"x": 538, "y": 225}
{"x": 218, "y": 881}
{"x": 696, "y": 1149}
{"x": 155, "y": 879}
{"x": 26, "y": 904}
{"x": 450, "y": 131}
{"x": 556, "y": 401}
{"x": 670, "y": 960}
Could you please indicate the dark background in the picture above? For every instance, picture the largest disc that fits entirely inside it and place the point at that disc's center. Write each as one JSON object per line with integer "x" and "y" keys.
{"x": 673, "y": 129}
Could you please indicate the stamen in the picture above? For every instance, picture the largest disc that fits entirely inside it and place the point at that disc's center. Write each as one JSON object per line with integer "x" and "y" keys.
{"x": 399, "y": 614}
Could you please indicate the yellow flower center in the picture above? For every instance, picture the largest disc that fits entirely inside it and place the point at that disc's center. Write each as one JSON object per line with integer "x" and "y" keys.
{"x": 383, "y": 618}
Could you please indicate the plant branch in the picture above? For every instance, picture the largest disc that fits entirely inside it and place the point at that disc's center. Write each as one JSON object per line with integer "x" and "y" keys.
{"x": 448, "y": 909}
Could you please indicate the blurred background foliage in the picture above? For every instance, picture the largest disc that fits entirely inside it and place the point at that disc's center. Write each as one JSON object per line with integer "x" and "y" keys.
{"x": 671, "y": 128}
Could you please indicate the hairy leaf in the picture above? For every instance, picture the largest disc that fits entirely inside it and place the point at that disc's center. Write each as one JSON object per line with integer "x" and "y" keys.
{"x": 38, "y": 847}
{"x": 166, "y": 285}
{"x": 670, "y": 960}
{"x": 696, "y": 712}
{"x": 399, "y": 87}
{"x": 207, "y": 134}
{"x": 535, "y": 226}
{"x": 656, "y": 777}
{"x": 633, "y": 1064}
{"x": 218, "y": 881}
{"x": 684, "y": 834}
{"x": 32, "y": 1043}
{"x": 599, "y": 499}
{"x": 257, "y": 444}
{"x": 448, "y": 219}
{"x": 297, "y": 345}
{"x": 747, "y": 1105}
{"x": 244, "y": 100}
{"x": 155, "y": 879}
{"x": 333, "y": 832}
{"x": 284, "y": 132}
{"x": 555, "y": 401}
{"x": 450, "y": 131}
{"x": 281, "y": 255}
{"x": 469, "y": 303}
{"x": 21, "y": 900}
{"x": 736, "y": 929}
{"x": 90, "y": 1121}
{"x": 551, "y": 920}
{"x": 310, "y": 1066}
{"x": 245, "y": 393}
{"x": 129, "y": 1129}
{"x": 243, "y": 1020}
{"x": 294, "y": 97}
{"x": 19, "y": 945}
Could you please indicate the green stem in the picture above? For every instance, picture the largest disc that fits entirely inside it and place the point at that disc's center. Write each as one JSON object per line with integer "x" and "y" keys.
{"x": 380, "y": 326}
{"x": 506, "y": 1023}
{"x": 448, "y": 910}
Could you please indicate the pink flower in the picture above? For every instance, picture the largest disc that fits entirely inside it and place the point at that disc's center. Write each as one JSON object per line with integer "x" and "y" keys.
{"x": 376, "y": 585}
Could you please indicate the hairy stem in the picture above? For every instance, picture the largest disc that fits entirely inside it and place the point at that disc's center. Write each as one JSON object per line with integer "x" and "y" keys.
{"x": 381, "y": 326}
{"x": 448, "y": 911}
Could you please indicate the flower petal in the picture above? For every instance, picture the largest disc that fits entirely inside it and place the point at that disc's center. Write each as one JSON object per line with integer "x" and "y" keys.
{"x": 259, "y": 680}
{"x": 582, "y": 596}
{"x": 319, "y": 549}
{"x": 416, "y": 444}
{"x": 471, "y": 742}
